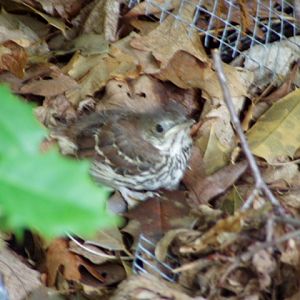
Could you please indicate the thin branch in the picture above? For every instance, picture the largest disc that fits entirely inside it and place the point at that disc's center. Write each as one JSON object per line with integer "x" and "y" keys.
{"x": 98, "y": 253}
{"x": 260, "y": 185}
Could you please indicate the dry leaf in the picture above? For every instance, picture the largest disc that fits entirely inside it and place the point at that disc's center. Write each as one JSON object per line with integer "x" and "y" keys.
{"x": 110, "y": 239}
{"x": 13, "y": 58}
{"x": 55, "y": 83}
{"x": 60, "y": 259}
{"x": 93, "y": 72}
{"x": 160, "y": 214}
{"x": 276, "y": 133}
{"x": 211, "y": 186}
{"x": 219, "y": 236}
{"x": 103, "y": 19}
{"x": 19, "y": 278}
{"x": 172, "y": 36}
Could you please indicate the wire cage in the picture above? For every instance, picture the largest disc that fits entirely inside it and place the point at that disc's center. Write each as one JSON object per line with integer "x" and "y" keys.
{"x": 253, "y": 37}
{"x": 256, "y": 38}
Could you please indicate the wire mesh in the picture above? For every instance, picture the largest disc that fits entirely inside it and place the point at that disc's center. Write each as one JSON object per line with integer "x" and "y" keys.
{"x": 234, "y": 30}
{"x": 271, "y": 26}
{"x": 145, "y": 261}
{"x": 3, "y": 290}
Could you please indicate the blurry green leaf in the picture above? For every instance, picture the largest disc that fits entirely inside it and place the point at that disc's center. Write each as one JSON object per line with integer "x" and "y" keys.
{"x": 45, "y": 192}
{"x": 277, "y": 132}
{"x": 51, "y": 194}
{"x": 19, "y": 130}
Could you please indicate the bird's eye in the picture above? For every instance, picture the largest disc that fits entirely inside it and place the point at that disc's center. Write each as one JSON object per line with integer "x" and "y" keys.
{"x": 159, "y": 128}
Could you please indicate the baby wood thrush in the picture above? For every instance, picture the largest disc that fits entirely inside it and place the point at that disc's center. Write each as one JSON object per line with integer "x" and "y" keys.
{"x": 132, "y": 152}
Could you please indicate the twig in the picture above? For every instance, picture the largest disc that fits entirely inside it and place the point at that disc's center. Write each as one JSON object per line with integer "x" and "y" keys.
{"x": 98, "y": 253}
{"x": 260, "y": 185}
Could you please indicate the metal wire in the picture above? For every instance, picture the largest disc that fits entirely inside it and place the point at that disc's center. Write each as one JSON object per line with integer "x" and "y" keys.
{"x": 273, "y": 21}
{"x": 3, "y": 290}
{"x": 146, "y": 262}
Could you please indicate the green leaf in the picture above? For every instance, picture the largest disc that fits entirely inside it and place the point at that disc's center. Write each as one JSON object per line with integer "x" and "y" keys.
{"x": 19, "y": 130}
{"x": 277, "y": 132}
{"x": 52, "y": 195}
{"x": 45, "y": 192}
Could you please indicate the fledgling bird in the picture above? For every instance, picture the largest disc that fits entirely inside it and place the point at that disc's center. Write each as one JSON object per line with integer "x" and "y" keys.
{"x": 135, "y": 153}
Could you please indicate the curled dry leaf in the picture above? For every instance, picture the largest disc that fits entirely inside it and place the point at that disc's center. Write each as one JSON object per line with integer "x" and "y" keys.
{"x": 276, "y": 57}
{"x": 12, "y": 29}
{"x": 219, "y": 236}
{"x": 162, "y": 247}
{"x": 13, "y": 58}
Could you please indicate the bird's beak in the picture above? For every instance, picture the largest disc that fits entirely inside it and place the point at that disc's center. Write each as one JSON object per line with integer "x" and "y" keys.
{"x": 185, "y": 125}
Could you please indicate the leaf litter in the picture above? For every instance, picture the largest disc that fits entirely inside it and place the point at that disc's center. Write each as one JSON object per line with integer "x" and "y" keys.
{"x": 95, "y": 55}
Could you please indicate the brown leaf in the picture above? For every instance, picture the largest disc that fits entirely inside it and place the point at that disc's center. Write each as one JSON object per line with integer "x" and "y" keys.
{"x": 13, "y": 58}
{"x": 172, "y": 36}
{"x": 60, "y": 259}
{"x": 219, "y": 236}
{"x": 160, "y": 214}
{"x": 186, "y": 71}
{"x": 91, "y": 77}
{"x": 58, "y": 84}
{"x": 206, "y": 189}
{"x": 286, "y": 87}
{"x": 107, "y": 274}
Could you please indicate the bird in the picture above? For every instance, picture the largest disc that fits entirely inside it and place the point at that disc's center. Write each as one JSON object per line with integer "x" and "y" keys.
{"x": 134, "y": 153}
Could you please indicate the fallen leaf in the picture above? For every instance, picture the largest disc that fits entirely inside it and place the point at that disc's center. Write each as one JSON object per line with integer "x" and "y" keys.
{"x": 162, "y": 247}
{"x": 272, "y": 62}
{"x": 219, "y": 236}
{"x": 91, "y": 77}
{"x": 176, "y": 37}
{"x": 275, "y": 133}
{"x": 55, "y": 83}
{"x": 19, "y": 278}
{"x": 60, "y": 259}
{"x": 160, "y": 214}
{"x": 13, "y": 58}
{"x": 211, "y": 186}
{"x": 110, "y": 239}
{"x": 12, "y": 29}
